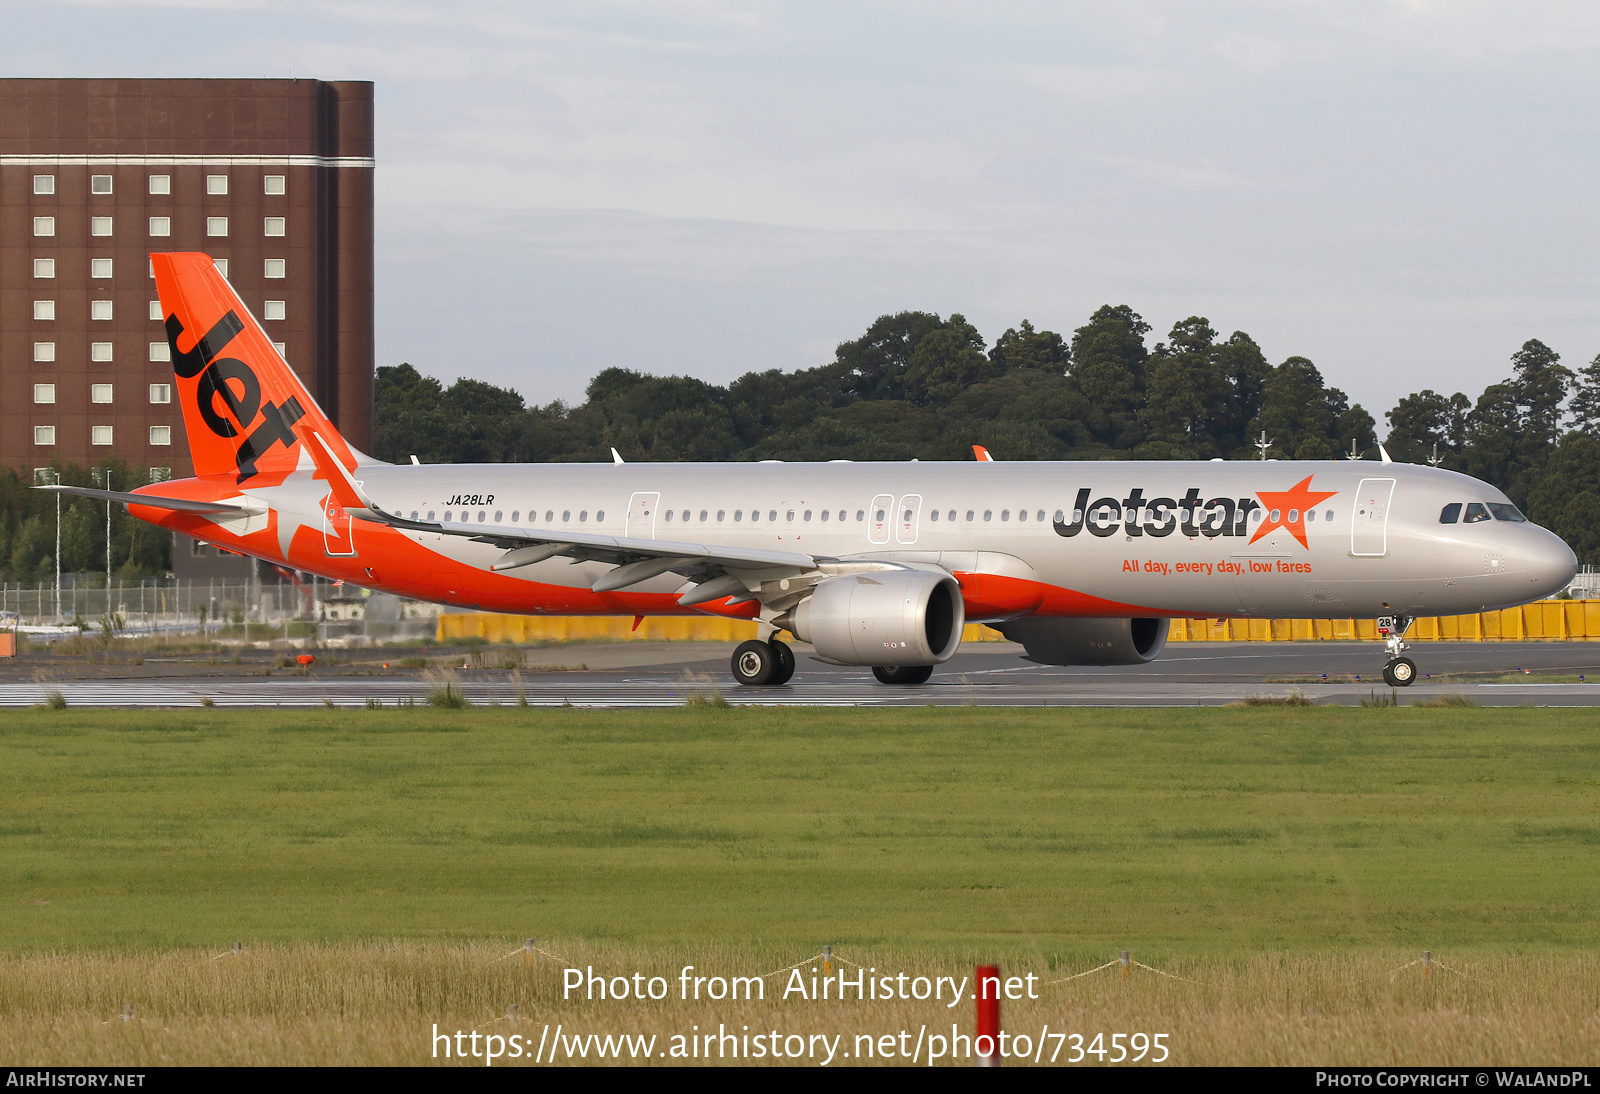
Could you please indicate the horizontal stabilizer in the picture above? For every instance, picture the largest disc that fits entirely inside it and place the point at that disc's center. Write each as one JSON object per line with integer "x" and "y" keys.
{"x": 182, "y": 505}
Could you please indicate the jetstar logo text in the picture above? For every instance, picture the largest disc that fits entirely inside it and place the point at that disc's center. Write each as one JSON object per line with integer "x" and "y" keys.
{"x": 233, "y": 384}
{"x": 1137, "y": 515}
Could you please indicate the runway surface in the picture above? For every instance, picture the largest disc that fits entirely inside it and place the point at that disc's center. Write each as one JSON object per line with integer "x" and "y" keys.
{"x": 987, "y": 674}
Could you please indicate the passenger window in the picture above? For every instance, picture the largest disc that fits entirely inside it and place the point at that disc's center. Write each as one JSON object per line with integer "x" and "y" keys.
{"x": 808, "y": 514}
{"x": 497, "y": 516}
{"x": 1022, "y": 514}
{"x": 1476, "y": 511}
{"x": 843, "y": 514}
{"x": 1311, "y": 514}
{"x": 1040, "y": 515}
{"x": 738, "y": 515}
{"x": 879, "y": 516}
{"x": 516, "y": 514}
{"x": 988, "y": 514}
{"x": 549, "y": 516}
{"x": 1005, "y": 514}
{"x": 430, "y": 514}
{"x": 566, "y": 516}
{"x": 601, "y": 515}
{"x": 703, "y": 516}
{"x": 670, "y": 515}
{"x": 1450, "y": 513}
{"x": 720, "y": 513}
{"x": 789, "y": 516}
{"x": 773, "y": 516}
{"x": 1505, "y": 512}
{"x": 934, "y": 515}
{"x": 755, "y": 515}
{"x": 1061, "y": 518}
{"x": 825, "y": 513}
{"x": 686, "y": 515}
{"x": 969, "y": 514}
{"x": 584, "y": 516}
{"x": 951, "y": 515}
{"x": 861, "y": 515}
{"x": 1328, "y": 515}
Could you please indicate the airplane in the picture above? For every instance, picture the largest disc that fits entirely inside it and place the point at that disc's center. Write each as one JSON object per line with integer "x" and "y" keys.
{"x": 876, "y": 565}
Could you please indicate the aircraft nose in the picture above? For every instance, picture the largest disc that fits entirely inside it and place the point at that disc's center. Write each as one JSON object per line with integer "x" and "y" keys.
{"x": 1551, "y": 564}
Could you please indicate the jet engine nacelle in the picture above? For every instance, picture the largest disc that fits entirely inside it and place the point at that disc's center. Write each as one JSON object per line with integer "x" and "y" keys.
{"x": 888, "y": 617}
{"x": 1088, "y": 641}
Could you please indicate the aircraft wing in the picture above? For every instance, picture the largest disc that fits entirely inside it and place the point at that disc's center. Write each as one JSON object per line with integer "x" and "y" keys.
{"x": 182, "y": 505}
{"x": 718, "y": 570}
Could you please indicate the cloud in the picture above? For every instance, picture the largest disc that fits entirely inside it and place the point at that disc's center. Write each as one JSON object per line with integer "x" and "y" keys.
{"x": 1094, "y": 83}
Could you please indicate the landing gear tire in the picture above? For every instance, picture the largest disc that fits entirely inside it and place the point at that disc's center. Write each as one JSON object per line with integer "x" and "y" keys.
{"x": 1400, "y": 672}
{"x": 755, "y": 663}
{"x": 903, "y": 674}
{"x": 785, "y": 667}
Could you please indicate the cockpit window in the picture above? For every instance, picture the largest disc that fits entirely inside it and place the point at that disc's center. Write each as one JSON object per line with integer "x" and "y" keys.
{"x": 1476, "y": 511}
{"x": 1450, "y": 513}
{"x": 1511, "y": 513}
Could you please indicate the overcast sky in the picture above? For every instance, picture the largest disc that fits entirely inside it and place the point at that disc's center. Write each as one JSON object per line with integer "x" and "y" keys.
{"x": 1403, "y": 192}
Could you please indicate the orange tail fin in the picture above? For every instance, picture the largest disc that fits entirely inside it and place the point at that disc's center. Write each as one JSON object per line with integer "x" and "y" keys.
{"x": 243, "y": 407}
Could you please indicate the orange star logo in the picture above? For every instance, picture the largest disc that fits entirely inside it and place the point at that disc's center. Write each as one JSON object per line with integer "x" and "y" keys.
{"x": 1286, "y": 509}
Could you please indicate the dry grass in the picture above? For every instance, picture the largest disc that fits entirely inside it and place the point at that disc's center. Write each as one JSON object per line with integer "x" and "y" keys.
{"x": 377, "y": 1004}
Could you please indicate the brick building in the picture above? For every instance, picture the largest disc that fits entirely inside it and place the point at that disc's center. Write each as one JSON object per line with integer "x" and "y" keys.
{"x": 272, "y": 178}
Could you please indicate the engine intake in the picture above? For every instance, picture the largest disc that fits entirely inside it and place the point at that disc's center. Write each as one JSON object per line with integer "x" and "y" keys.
{"x": 1088, "y": 641}
{"x": 890, "y": 617}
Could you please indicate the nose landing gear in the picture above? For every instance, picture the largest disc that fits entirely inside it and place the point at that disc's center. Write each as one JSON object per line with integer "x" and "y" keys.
{"x": 1400, "y": 671}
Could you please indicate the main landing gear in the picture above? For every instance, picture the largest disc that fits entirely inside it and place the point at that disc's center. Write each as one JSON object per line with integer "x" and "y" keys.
{"x": 1400, "y": 671}
{"x": 903, "y": 674}
{"x": 756, "y": 663}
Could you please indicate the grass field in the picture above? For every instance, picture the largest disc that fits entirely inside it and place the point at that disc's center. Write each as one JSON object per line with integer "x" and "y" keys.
{"x": 1253, "y": 850}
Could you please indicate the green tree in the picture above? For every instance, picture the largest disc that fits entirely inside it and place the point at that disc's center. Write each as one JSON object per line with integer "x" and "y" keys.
{"x": 1296, "y": 413}
{"x": 1420, "y": 422}
{"x": 1585, "y": 405}
{"x": 1186, "y": 394}
{"x": 1108, "y": 364}
{"x": 946, "y": 362}
{"x": 1026, "y": 348}
{"x": 1566, "y": 497}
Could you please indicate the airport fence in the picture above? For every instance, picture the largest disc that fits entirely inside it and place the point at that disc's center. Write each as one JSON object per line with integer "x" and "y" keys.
{"x": 1571, "y": 620}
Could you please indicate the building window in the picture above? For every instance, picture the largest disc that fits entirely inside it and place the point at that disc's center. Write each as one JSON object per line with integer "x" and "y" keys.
{"x": 274, "y": 226}
{"x": 99, "y": 184}
{"x": 161, "y": 434}
{"x": 274, "y": 310}
{"x": 160, "y": 351}
{"x": 160, "y": 226}
{"x": 44, "y": 434}
{"x": 275, "y": 267}
{"x": 100, "y": 393}
{"x": 155, "y": 310}
{"x": 216, "y": 226}
{"x": 216, "y": 184}
{"x": 44, "y": 226}
{"x": 99, "y": 226}
{"x": 272, "y": 185}
{"x": 221, "y": 265}
{"x": 44, "y": 351}
{"x": 161, "y": 184}
{"x": 100, "y": 434}
{"x": 44, "y": 267}
{"x": 100, "y": 352}
{"x": 44, "y": 184}
{"x": 160, "y": 393}
{"x": 100, "y": 309}
{"x": 282, "y": 348}
{"x": 99, "y": 267}
{"x": 44, "y": 309}
{"x": 160, "y": 474}
{"x": 44, "y": 393}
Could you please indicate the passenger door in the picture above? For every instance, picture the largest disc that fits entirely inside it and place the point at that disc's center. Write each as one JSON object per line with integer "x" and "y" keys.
{"x": 642, "y": 516}
{"x": 1369, "y": 523}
